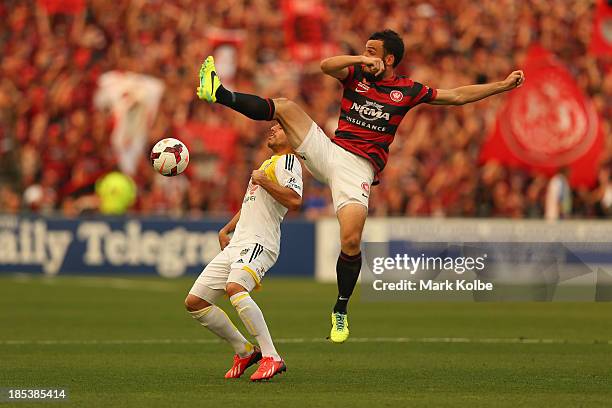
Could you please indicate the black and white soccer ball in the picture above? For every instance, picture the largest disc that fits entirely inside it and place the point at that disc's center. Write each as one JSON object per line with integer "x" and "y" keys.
{"x": 169, "y": 157}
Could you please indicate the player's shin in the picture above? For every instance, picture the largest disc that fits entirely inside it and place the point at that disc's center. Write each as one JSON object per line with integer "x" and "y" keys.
{"x": 347, "y": 273}
{"x": 255, "y": 323}
{"x": 251, "y": 106}
{"x": 217, "y": 321}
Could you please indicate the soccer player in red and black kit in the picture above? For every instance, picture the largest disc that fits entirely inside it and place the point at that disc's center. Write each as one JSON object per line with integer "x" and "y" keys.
{"x": 374, "y": 102}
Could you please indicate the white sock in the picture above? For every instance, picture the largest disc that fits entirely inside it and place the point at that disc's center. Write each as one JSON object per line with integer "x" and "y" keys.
{"x": 215, "y": 320}
{"x": 254, "y": 321}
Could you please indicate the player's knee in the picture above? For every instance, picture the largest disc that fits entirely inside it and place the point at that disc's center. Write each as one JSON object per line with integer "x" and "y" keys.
{"x": 351, "y": 243}
{"x": 193, "y": 303}
{"x": 282, "y": 106}
{"x": 232, "y": 288}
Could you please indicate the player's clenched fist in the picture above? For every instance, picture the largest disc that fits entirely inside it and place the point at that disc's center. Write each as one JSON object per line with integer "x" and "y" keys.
{"x": 515, "y": 79}
{"x": 374, "y": 66}
{"x": 258, "y": 177}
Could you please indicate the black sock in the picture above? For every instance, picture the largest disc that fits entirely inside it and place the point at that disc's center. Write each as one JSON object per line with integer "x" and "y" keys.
{"x": 251, "y": 106}
{"x": 347, "y": 272}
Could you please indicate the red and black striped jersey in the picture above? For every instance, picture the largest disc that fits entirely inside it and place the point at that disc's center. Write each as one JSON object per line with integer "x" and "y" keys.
{"x": 371, "y": 113}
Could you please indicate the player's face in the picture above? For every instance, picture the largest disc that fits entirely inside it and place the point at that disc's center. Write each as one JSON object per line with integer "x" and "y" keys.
{"x": 277, "y": 138}
{"x": 373, "y": 49}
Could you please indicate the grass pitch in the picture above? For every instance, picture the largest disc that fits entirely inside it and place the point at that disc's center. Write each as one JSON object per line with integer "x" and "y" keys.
{"x": 119, "y": 342}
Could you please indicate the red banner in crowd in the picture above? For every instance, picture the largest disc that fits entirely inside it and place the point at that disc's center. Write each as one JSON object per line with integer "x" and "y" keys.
{"x": 62, "y": 6}
{"x": 547, "y": 124}
{"x": 305, "y": 27}
{"x": 226, "y": 45}
{"x": 211, "y": 141}
{"x": 601, "y": 37}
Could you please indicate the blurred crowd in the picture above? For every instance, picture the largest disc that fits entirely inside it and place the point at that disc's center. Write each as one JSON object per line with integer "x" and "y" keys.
{"x": 55, "y": 143}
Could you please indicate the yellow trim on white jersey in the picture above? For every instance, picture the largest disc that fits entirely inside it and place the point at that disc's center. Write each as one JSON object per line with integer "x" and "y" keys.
{"x": 269, "y": 167}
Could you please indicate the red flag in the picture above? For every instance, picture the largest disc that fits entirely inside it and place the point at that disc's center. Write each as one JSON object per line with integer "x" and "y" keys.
{"x": 547, "y": 124}
{"x": 601, "y": 37}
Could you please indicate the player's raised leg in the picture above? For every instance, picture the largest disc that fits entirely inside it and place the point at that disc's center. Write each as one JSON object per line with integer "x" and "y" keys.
{"x": 352, "y": 220}
{"x": 217, "y": 321}
{"x": 253, "y": 319}
{"x": 211, "y": 90}
{"x": 295, "y": 122}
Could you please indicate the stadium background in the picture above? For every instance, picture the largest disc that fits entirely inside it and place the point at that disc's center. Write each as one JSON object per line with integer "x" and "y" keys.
{"x": 88, "y": 86}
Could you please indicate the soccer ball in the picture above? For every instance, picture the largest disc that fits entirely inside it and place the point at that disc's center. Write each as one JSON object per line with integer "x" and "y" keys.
{"x": 169, "y": 157}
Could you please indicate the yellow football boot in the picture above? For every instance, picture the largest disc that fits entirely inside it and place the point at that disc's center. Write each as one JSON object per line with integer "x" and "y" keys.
{"x": 209, "y": 81}
{"x": 340, "y": 330}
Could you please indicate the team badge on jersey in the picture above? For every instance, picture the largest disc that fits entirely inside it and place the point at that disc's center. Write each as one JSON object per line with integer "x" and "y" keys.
{"x": 396, "y": 95}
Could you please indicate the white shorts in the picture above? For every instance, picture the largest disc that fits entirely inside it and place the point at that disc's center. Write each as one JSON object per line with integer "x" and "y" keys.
{"x": 245, "y": 265}
{"x": 348, "y": 175}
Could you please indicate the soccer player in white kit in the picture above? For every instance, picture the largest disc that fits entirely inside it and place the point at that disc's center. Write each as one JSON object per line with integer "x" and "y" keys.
{"x": 245, "y": 257}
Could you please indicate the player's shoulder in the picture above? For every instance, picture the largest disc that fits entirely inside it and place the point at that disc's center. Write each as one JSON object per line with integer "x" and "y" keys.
{"x": 289, "y": 162}
{"x": 405, "y": 81}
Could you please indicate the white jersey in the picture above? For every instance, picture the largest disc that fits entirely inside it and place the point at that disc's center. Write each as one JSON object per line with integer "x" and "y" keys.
{"x": 261, "y": 215}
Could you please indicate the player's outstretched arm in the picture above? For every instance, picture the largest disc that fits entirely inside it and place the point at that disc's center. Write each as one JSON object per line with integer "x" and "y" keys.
{"x": 473, "y": 93}
{"x": 284, "y": 195}
{"x": 224, "y": 232}
{"x": 338, "y": 66}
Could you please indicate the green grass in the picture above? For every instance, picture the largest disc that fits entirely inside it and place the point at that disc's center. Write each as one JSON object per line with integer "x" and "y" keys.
{"x": 102, "y": 359}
